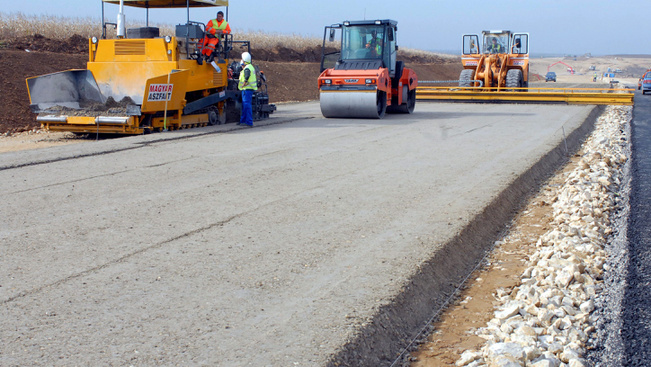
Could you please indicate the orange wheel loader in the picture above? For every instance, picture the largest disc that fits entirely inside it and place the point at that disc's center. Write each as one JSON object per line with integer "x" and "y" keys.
{"x": 502, "y": 62}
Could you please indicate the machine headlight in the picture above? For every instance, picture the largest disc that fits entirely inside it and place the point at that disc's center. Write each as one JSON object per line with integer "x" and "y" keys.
{"x": 346, "y": 23}
{"x": 327, "y": 81}
{"x": 168, "y": 39}
{"x": 369, "y": 81}
{"x": 93, "y": 40}
{"x": 378, "y": 22}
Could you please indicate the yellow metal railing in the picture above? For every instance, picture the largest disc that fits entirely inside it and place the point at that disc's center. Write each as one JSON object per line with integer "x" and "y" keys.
{"x": 541, "y": 95}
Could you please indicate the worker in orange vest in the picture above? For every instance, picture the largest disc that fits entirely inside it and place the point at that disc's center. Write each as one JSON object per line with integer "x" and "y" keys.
{"x": 214, "y": 29}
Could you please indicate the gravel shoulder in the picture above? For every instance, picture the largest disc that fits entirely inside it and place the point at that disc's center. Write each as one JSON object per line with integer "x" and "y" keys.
{"x": 556, "y": 280}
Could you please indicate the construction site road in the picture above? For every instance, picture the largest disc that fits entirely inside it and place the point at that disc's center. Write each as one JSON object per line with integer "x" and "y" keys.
{"x": 308, "y": 241}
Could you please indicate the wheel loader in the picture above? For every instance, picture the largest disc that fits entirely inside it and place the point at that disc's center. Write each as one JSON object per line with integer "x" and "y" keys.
{"x": 360, "y": 76}
{"x": 500, "y": 62}
{"x": 141, "y": 81}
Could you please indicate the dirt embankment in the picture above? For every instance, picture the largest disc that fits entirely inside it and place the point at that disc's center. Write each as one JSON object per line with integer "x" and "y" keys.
{"x": 291, "y": 73}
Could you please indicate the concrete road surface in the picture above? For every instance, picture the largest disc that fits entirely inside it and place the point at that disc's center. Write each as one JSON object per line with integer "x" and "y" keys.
{"x": 304, "y": 242}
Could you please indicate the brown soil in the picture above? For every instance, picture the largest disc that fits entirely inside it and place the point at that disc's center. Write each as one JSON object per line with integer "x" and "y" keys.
{"x": 454, "y": 330}
{"x": 76, "y": 44}
{"x": 15, "y": 114}
{"x": 291, "y": 74}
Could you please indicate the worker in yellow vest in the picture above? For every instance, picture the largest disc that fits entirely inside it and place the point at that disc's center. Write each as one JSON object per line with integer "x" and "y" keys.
{"x": 247, "y": 85}
{"x": 214, "y": 29}
{"x": 375, "y": 44}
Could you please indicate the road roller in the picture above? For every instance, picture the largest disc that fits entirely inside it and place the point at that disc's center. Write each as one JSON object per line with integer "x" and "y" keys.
{"x": 360, "y": 77}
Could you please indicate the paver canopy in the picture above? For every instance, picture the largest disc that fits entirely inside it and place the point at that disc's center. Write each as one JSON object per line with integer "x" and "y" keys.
{"x": 169, "y": 3}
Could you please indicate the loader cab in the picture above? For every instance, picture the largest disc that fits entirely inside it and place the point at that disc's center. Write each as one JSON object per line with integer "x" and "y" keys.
{"x": 496, "y": 42}
{"x": 361, "y": 45}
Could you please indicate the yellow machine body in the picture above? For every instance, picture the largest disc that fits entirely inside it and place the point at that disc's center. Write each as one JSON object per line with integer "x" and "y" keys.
{"x": 137, "y": 82}
{"x": 151, "y": 72}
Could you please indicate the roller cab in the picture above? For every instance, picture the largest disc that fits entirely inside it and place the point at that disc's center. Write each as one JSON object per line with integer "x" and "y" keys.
{"x": 360, "y": 77}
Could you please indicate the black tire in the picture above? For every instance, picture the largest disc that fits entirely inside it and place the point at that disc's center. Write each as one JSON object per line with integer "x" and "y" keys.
{"x": 400, "y": 66}
{"x": 514, "y": 79}
{"x": 213, "y": 118}
{"x": 407, "y": 107}
{"x": 465, "y": 78}
{"x": 410, "y": 105}
{"x": 381, "y": 104}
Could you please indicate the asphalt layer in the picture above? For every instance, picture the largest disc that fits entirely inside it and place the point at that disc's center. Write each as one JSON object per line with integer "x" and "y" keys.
{"x": 636, "y": 313}
{"x": 308, "y": 241}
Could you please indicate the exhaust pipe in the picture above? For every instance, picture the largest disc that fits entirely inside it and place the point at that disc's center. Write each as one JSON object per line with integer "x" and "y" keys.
{"x": 121, "y": 24}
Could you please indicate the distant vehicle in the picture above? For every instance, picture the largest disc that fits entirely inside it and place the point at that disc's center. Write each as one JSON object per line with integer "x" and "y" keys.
{"x": 645, "y": 83}
{"x": 550, "y": 77}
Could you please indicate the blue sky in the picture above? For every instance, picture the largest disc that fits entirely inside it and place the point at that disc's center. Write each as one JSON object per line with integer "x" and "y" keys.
{"x": 561, "y": 27}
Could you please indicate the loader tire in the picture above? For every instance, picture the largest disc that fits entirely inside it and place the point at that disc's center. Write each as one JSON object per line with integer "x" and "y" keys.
{"x": 514, "y": 79}
{"x": 465, "y": 78}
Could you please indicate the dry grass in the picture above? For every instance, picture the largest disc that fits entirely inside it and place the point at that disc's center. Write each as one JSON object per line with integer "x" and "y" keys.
{"x": 17, "y": 25}
{"x": 425, "y": 54}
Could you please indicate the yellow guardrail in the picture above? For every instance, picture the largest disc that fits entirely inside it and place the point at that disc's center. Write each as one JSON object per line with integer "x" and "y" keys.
{"x": 542, "y": 95}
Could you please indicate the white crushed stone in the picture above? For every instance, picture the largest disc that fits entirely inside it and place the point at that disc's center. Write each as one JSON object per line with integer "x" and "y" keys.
{"x": 547, "y": 320}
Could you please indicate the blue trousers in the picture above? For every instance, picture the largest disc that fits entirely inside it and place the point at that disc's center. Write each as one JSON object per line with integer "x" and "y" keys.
{"x": 247, "y": 109}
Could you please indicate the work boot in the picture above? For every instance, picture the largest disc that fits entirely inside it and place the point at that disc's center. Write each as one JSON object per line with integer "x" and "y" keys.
{"x": 211, "y": 58}
{"x": 200, "y": 59}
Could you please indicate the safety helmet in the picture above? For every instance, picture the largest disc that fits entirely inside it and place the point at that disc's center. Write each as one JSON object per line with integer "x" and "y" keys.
{"x": 246, "y": 57}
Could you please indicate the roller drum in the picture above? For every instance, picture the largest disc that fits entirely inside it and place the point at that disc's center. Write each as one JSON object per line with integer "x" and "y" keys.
{"x": 353, "y": 104}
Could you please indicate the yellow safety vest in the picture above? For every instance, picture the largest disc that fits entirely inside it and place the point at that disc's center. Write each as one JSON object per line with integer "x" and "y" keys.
{"x": 253, "y": 81}
{"x": 218, "y": 27}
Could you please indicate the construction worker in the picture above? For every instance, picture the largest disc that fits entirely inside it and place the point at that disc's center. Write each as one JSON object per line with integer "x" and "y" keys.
{"x": 247, "y": 84}
{"x": 495, "y": 48}
{"x": 214, "y": 29}
{"x": 375, "y": 44}
{"x": 517, "y": 48}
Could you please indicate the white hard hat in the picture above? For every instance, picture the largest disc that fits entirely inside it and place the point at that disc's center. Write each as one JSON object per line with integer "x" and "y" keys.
{"x": 246, "y": 57}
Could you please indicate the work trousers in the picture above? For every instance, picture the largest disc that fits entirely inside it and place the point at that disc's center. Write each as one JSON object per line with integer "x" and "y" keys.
{"x": 208, "y": 45}
{"x": 247, "y": 109}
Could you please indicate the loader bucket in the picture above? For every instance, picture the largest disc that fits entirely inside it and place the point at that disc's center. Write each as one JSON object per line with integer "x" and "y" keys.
{"x": 66, "y": 89}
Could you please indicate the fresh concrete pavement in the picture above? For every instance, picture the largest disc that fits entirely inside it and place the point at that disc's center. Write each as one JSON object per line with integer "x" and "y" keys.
{"x": 304, "y": 242}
